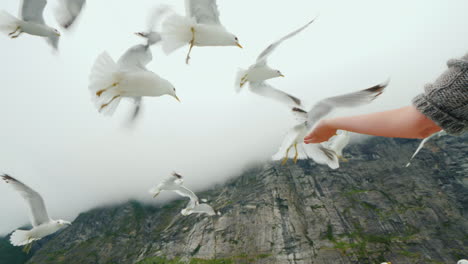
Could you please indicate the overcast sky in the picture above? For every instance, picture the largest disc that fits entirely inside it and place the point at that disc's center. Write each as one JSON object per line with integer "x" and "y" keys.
{"x": 54, "y": 140}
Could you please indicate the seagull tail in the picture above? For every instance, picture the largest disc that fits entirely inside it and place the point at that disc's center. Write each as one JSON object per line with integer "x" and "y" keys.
{"x": 176, "y": 32}
{"x": 240, "y": 79}
{"x": 21, "y": 238}
{"x": 103, "y": 84}
{"x": 8, "y": 23}
{"x": 322, "y": 155}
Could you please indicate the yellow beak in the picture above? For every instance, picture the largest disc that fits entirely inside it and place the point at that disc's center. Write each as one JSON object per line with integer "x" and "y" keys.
{"x": 177, "y": 98}
{"x": 281, "y": 75}
{"x": 239, "y": 45}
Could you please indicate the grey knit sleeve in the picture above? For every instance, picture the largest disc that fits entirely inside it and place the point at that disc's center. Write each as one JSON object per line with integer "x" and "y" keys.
{"x": 446, "y": 100}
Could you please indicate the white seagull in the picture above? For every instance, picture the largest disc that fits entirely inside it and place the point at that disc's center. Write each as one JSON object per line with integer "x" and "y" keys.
{"x": 174, "y": 183}
{"x": 109, "y": 84}
{"x": 260, "y": 71}
{"x": 200, "y": 27}
{"x": 462, "y": 261}
{"x": 67, "y": 11}
{"x": 318, "y": 152}
{"x": 31, "y": 21}
{"x": 339, "y": 142}
{"x": 40, "y": 220}
{"x": 423, "y": 142}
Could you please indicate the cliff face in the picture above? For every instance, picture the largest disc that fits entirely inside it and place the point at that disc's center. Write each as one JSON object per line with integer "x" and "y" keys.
{"x": 372, "y": 209}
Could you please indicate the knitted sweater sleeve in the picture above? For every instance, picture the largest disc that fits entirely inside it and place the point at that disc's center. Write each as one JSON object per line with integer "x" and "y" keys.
{"x": 446, "y": 100}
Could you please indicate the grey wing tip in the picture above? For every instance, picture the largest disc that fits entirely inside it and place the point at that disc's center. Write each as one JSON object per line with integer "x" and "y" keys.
{"x": 328, "y": 152}
{"x": 7, "y": 178}
{"x": 295, "y": 100}
{"x": 298, "y": 110}
{"x": 177, "y": 175}
{"x": 379, "y": 88}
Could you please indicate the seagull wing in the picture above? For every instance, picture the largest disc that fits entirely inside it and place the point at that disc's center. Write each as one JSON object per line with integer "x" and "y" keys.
{"x": 183, "y": 191}
{"x": 204, "y": 209}
{"x": 38, "y": 212}
{"x": 32, "y": 10}
{"x": 421, "y": 145}
{"x": 262, "y": 58}
{"x": 135, "y": 58}
{"x": 322, "y": 155}
{"x": 67, "y": 11}
{"x": 203, "y": 11}
{"x": 327, "y": 105}
{"x": 266, "y": 90}
{"x": 137, "y": 105}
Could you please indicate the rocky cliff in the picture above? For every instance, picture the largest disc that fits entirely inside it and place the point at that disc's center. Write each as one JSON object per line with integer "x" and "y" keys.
{"x": 372, "y": 209}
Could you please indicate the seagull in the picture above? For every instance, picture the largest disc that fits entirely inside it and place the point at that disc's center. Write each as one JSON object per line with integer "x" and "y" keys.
{"x": 200, "y": 27}
{"x": 318, "y": 152}
{"x": 260, "y": 71}
{"x": 339, "y": 143}
{"x": 174, "y": 183}
{"x": 423, "y": 142}
{"x": 42, "y": 224}
{"x": 462, "y": 261}
{"x": 31, "y": 21}
{"x": 109, "y": 84}
{"x": 67, "y": 11}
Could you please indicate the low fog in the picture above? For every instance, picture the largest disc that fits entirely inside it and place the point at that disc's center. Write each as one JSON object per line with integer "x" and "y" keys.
{"x": 54, "y": 140}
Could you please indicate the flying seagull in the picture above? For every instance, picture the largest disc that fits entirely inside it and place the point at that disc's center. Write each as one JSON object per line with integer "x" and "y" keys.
{"x": 260, "y": 71}
{"x": 318, "y": 152}
{"x": 67, "y": 12}
{"x": 40, "y": 220}
{"x": 200, "y": 27}
{"x": 109, "y": 84}
{"x": 174, "y": 183}
{"x": 30, "y": 21}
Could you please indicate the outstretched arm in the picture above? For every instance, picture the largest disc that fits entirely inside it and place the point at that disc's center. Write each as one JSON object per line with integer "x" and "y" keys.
{"x": 405, "y": 122}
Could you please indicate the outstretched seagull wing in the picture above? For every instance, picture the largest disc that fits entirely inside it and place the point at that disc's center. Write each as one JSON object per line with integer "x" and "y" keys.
{"x": 203, "y": 11}
{"x": 262, "y": 58}
{"x": 266, "y": 90}
{"x": 135, "y": 58}
{"x": 38, "y": 212}
{"x": 327, "y": 105}
{"x": 183, "y": 191}
{"x": 67, "y": 11}
{"x": 31, "y": 10}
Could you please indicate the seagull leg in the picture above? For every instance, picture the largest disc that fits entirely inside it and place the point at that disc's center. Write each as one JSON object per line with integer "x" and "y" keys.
{"x": 105, "y": 105}
{"x": 343, "y": 159}
{"x": 297, "y": 153}
{"x": 98, "y": 93}
{"x": 243, "y": 80}
{"x": 28, "y": 246}
{"x": 286, "y": 157}
{"x": 192, "y": 42}
{"x": 17, "y": 35}
{"x": 16, "y": 30}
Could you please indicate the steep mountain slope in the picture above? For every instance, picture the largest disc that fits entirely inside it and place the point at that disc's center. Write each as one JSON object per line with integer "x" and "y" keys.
{"x": 372, "y": 209}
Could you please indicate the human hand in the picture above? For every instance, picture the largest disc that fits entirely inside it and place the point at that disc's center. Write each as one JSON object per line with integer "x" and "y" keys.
{"x": 321, "y": 133}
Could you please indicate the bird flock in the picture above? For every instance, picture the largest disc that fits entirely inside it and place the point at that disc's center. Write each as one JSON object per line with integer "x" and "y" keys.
{"x": 111, "y": 81}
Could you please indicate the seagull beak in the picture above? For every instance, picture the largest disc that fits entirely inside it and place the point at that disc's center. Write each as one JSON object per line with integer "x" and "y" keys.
{"x": 239, "y": 45}
{"x": 281, "y": 75}
{"x": 177, "y": 98}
